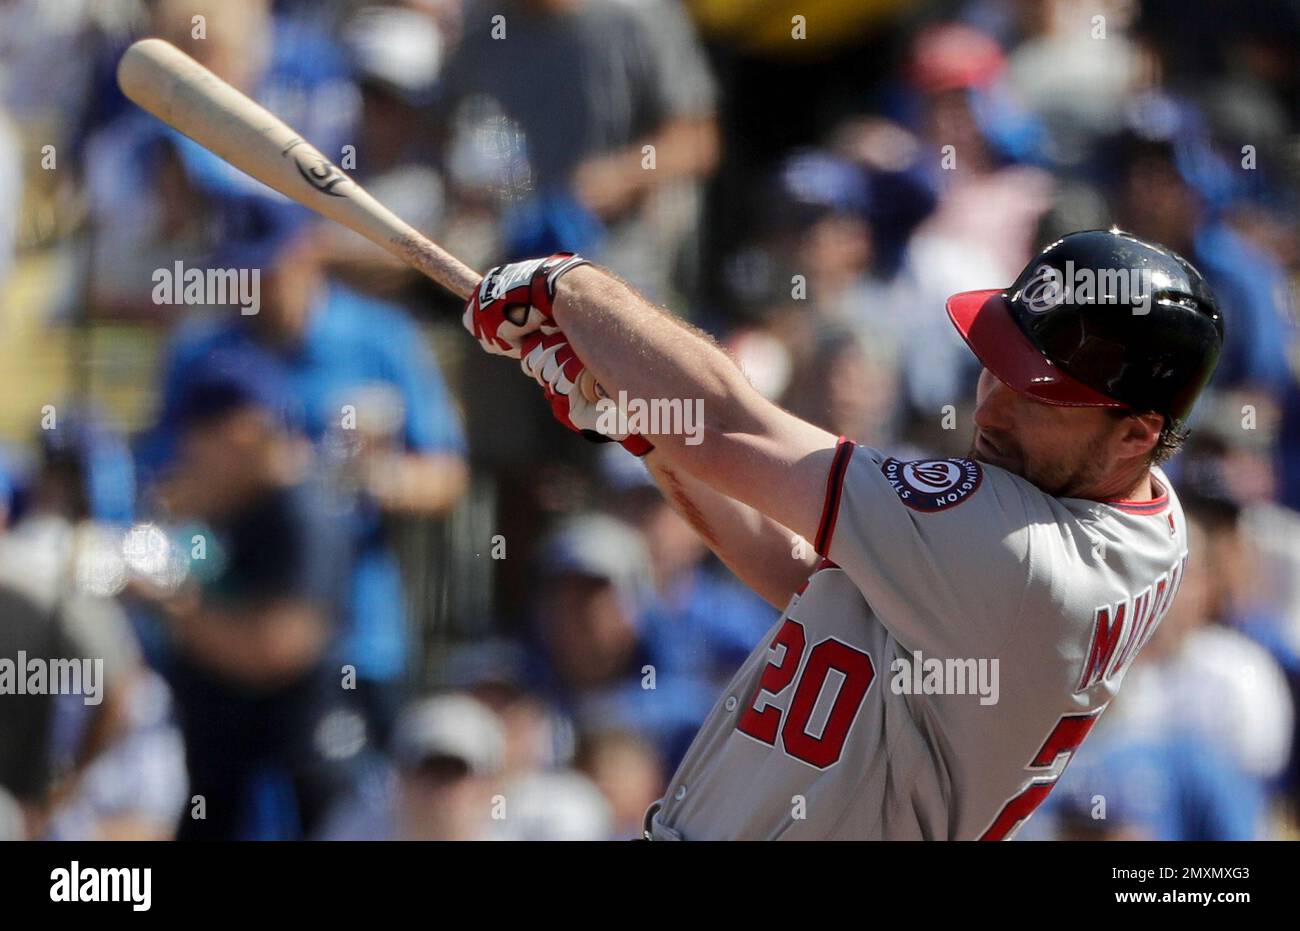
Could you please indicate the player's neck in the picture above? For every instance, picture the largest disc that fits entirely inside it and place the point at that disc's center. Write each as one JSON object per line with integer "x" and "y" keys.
{"x": 1125, "y": 481}
{"x": 1125, "y": 488}
{"x": 1142, "y": 491}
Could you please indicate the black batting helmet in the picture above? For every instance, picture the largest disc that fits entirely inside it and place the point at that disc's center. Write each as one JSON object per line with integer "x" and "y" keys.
{"x": 1099, "y": 319}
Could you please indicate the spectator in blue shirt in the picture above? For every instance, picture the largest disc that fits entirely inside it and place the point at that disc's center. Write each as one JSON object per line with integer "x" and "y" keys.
{"x": 596, "y": 659}
{"x": 375, "y": 405}
{"x": 258, "y": 697}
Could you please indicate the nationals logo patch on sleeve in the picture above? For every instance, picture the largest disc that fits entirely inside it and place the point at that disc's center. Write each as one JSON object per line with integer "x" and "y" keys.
{"x": 930, "y": 485}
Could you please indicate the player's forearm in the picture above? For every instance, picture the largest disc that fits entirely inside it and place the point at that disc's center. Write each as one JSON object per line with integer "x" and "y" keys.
{"x": 641, "y": 351}
{"x": 634, "y": 347}
{"x": 743, "y": 445}
{"x": 766, "y": 556}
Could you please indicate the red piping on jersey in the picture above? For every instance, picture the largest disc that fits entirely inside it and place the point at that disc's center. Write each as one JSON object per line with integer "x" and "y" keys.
{"x": 1154, "y": 506}
{"x": 834, "y": 488}
{"x": 822, "y": 563}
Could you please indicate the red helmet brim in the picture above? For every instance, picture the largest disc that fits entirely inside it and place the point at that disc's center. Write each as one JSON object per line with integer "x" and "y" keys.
{"x": 984, "y": 321}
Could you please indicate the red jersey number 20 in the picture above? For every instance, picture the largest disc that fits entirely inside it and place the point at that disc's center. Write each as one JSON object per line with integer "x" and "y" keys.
{"x": 765, "y": 723}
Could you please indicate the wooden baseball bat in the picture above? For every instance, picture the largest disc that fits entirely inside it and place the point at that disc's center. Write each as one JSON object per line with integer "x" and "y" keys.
{"x": 171, "y": 85}
{"x": 182, "y": 93}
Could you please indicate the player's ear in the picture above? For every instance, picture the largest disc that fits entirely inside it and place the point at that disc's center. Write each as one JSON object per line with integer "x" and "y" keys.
{"x": 1139, "y": 434}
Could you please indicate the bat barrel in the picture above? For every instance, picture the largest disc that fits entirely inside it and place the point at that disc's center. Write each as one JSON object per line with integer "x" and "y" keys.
{"x": 178, "y": 90}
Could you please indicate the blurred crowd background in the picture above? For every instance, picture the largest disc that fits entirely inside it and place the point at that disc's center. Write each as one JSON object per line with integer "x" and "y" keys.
{"x": 347, "y": 577}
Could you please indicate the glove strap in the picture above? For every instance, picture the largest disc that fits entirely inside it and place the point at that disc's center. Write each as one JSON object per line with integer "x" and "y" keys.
{"x": 637, "y": 445}
{"x": 567, "y": 261}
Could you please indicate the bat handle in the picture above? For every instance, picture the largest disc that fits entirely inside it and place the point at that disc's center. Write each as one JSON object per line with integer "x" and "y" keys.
{"x": 436, "y": 263}
{"x": 461, "y": 280}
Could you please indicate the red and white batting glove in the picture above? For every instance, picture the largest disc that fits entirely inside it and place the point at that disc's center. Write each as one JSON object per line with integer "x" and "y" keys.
{"x": 513, "y": 302}
{"x": 550, "y": 361}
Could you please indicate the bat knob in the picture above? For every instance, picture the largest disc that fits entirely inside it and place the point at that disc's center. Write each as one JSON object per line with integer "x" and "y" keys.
{"x": 590, "y": 388}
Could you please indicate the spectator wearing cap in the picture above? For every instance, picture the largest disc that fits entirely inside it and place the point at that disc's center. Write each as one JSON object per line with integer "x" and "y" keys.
{"x": 819, "y": 211}
{"x": 447, "y": 753}
{"x": 396, "y": 54}
{"x": 543, "y": 797}
{"x": 802, "y": 347}
{"x": 599, "y": 661}
{"x": 496, "y": 671}
{"x": 374, "y": 404}
{"x": 952, "y": 68}
{"x": 595, "y": 580}
{"x": 260, "y": 700}
{"x": 812, "y": 223}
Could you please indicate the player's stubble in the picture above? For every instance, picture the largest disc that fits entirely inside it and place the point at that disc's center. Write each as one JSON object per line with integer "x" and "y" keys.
{"x": 1060, "y": 473}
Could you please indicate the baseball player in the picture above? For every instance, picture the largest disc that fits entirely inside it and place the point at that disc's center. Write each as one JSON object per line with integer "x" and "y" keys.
{"x": 963, "y": 623}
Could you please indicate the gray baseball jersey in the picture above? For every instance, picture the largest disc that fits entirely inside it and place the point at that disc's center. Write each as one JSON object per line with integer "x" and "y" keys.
{"x": 962, "y": 634}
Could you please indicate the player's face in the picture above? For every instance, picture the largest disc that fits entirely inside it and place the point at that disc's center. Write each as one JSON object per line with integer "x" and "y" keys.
{"x": 1065, "y": 451}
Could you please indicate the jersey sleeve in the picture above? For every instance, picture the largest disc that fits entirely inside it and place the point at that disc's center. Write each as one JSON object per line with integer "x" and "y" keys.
{"x": 938, "y": 547}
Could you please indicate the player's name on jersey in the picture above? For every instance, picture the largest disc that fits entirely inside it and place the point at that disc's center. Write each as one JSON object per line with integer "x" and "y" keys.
{"x": 915, "y": 674}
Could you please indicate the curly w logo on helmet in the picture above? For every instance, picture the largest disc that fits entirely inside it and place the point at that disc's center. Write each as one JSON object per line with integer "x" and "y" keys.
{"x": 1051, "y": 287}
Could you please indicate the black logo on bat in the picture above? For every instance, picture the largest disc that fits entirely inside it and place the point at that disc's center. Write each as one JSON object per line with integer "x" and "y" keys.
{"x": 315, "y": 170}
